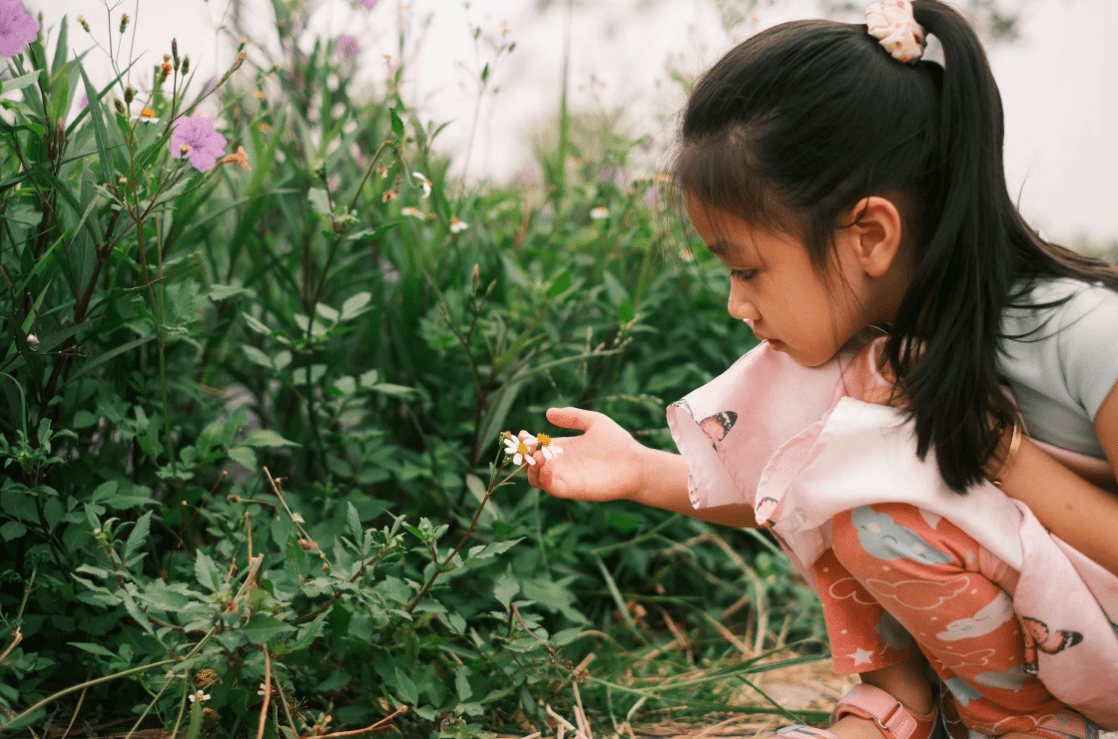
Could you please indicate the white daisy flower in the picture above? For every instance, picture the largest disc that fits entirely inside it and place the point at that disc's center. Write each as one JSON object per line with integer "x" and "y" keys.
{"x": 457, "y": 226}
{"x": 32, "y": 339}
{"x": 198, "y": 695}
{"x": 548, "y": 447}
{"x": 423, "y": 182}
{"x": 599, "y": 213}
{"x": 520, "y": 447}
{"x": 412, "y": 212}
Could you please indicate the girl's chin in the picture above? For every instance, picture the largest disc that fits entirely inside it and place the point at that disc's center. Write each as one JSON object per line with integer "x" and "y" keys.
{"x": 774, "y": 344}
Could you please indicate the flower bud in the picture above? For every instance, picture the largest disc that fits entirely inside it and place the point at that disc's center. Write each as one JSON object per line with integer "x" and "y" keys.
{"x": 83, "y": 23}
{"x": 474, "y": 277}
{"x": 119, "y": 105}
{"x": 124, "y": 20}
{"x": 184, "y": 149}
{"x": 185, "y": 64}
{"x": 129, "y": 94}
{"x": 175, "y": 51}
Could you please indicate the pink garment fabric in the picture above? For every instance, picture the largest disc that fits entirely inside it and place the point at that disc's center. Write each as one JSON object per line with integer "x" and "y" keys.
{"x": 799, "y": 446}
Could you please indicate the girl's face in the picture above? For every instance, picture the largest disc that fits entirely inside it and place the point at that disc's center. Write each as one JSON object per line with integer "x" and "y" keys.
{"x": 775, "y": 288}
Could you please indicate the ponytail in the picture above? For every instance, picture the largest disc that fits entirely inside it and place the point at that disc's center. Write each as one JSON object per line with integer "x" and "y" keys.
{"x": 948, "y": 322}
{"x": 943, "y": 343}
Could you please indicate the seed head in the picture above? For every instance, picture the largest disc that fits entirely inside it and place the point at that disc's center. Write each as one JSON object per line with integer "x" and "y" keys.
{"x": 124, "y": 21}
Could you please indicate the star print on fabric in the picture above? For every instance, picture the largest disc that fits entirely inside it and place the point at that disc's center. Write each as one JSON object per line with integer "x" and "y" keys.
{"x": 861, "y": 656}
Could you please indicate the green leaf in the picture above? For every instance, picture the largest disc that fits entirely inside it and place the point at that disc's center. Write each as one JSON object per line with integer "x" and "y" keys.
{"x": 462, "y": 684}
{"x": 353, "y": 520}
{"x": 355, "y": 305}
{"x": 506, "y": 588}
{"x": 12, "y": 530}
{"x": 83, "y": 420}
{"x": 492, "y": 549}
{"x": 561, "y": 285}
{"x": 310, "y": 633}
{"x": 319, "y": 200}
{"x": 262, "y": 627}
{"x": 206, "y": 572}
{"x": 625, "y": 312}
{"x": 61, "y": 48}
{"x": 18, "y": 83}
{"x": 138, "y": 536}
{"x": 243, "y": 456}
{"x": 97, "y": 649}
{"x": 397, "y": 124}
{"x": 100, "y": 135}
{"x": 405, "y": 687}
{"x": 266, "y": 438}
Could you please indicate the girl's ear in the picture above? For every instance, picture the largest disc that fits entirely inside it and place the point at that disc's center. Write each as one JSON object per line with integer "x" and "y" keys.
{"x": 874, "y": 234}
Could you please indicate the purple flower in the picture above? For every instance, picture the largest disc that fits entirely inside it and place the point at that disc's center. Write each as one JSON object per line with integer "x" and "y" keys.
{"x": 17, "y": 27}
{"x": 370, "y": 4}
{"x": 195, "y": 137}
{"x": 83, "y": 103}
{"x": 347, "y": 45}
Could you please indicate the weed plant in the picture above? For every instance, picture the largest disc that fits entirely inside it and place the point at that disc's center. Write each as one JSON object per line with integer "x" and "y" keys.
{"x": 256, "y": 356}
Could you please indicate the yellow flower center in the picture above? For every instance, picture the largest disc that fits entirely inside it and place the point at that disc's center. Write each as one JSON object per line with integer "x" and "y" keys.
{"x": 544, "y": 439}
{"x": 147, "y": 113}
{"x": 521, "y": 449}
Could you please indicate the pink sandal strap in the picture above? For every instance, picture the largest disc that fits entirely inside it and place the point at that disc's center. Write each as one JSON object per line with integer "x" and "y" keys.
{"x": 895, "y": 720}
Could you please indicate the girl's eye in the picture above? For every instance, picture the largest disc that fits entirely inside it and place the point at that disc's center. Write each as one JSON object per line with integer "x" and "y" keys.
{"x": 742, "y": 274}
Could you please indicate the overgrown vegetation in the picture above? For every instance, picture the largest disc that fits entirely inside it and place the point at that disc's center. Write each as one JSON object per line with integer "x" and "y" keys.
{"x": 250, "y": 478}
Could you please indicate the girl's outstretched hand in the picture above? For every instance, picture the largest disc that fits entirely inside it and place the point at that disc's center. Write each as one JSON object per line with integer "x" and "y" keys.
{"x": 602, "y": 464}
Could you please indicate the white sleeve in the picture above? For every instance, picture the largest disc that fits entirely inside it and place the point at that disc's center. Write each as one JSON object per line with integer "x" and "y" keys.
{"x": 1088, "y": 346}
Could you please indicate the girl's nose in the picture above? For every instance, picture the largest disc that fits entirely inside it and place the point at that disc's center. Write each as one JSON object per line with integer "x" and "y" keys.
{"x": 740, "y": 307}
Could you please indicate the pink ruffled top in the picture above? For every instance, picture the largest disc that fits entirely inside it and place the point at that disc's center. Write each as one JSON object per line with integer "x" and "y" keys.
{"x": 800, "y": 446}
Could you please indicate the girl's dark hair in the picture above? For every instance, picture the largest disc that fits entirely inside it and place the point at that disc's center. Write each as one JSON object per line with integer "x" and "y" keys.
{"x": 795, "y": 125}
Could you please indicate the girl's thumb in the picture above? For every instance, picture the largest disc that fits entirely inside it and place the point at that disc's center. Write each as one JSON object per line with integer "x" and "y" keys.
{"x": 571, "y": 418}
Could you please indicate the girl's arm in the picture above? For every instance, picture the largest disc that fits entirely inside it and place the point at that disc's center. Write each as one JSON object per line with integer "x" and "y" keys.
{"x": 1078, "y": 512}
{"x": 606, "y": 463}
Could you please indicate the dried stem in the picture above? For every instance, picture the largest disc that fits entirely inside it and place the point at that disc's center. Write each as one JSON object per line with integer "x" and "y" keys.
{"x": 267, "y": 694}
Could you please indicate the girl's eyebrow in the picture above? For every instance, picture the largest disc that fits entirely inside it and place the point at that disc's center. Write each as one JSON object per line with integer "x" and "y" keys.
{"x": 720, "y": 247}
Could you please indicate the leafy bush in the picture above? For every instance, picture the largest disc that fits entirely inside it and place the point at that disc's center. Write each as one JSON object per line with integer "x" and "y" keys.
{"x": 253, "y": 416}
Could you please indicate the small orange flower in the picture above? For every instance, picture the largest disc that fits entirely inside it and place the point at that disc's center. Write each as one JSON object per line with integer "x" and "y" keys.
{"x": 240, "y": 159}
{"x": 263, "y": 127}
{"x": 259, "y": 94}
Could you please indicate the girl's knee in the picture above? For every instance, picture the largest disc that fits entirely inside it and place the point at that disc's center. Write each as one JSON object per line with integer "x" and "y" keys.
{"x": 867, "y": 537}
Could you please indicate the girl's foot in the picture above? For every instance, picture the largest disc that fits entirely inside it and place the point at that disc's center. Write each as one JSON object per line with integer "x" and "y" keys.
{"x": 867, "y": 712}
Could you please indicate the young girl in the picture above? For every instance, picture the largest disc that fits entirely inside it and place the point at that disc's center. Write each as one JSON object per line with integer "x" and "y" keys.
{"x": 851, "y": 186}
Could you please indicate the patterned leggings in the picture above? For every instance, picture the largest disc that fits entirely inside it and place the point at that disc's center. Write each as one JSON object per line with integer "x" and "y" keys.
{"x": 900, "y": 580}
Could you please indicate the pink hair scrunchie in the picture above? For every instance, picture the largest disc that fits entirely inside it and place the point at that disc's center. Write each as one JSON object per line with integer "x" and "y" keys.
{"x": 893, "y": 25}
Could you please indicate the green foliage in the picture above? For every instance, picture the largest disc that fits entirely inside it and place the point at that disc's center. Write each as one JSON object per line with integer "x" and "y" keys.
{"x": 251, "y": 415}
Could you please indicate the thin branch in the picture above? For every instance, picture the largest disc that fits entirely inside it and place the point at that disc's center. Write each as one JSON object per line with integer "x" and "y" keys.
{"x": 267, "y": 694}
{"x": 382, "y": 724}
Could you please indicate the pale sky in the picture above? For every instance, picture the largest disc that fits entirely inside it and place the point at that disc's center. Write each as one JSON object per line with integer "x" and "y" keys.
{"x": 1059, "y": 82}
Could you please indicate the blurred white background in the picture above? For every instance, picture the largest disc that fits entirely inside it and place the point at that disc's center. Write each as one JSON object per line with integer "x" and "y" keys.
{"x": 1058, "y": 79}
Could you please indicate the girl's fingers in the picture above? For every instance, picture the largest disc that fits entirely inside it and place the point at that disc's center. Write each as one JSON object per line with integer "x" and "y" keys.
{"x": 571, "y": 418}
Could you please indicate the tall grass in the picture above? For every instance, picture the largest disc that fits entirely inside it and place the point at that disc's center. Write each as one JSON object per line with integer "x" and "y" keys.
{"x": 250, "y": 478}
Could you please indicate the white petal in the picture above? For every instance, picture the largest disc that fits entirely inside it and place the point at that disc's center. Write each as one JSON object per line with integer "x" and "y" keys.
{"x": 518, "y": 459}
{"x": 530, "y": 460}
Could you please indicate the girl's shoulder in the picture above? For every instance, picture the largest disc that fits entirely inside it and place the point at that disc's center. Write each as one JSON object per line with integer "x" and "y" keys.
{"x": 1056, "y": 304}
